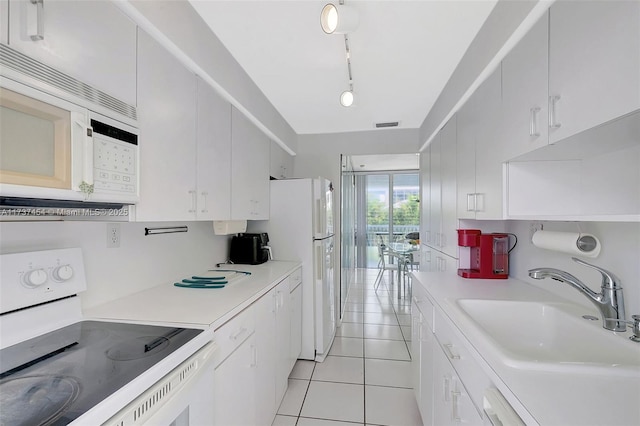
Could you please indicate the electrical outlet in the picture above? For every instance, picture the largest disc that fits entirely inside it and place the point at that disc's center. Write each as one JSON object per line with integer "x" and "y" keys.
{"x": 113, "y": 235}
{"x": 533, "y": 228}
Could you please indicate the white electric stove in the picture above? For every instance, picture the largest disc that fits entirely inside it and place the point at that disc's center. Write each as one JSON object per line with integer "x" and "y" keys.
{"x": 57, "y": 368}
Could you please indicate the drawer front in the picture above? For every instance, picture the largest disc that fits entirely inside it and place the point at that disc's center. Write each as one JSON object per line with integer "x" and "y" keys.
{"x": 295, "y": 279}
{"x": 235, "y": 331}
{"x": 470, "y": 373}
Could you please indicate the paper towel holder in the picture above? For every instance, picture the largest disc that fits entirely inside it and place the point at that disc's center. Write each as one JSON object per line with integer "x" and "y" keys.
{"x": 581, "y": 244}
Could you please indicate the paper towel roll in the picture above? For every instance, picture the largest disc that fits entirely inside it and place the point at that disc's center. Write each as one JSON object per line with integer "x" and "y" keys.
{"x": 567, "y": 242}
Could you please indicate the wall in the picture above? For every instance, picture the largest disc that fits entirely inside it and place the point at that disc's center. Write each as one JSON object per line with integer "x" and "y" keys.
{"x": 319, "y": 155}
{"x": 620, "y": 255}
{"x": 139, "y": 263}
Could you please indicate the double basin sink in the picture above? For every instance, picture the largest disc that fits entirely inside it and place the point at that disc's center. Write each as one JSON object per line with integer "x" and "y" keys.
{"x": 551, "y": 337}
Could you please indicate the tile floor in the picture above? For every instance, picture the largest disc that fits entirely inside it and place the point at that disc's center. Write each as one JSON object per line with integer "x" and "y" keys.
{"x": 366, "y": 377}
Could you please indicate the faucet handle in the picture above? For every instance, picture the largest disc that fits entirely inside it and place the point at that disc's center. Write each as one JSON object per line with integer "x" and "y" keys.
{"x": 609, "y": 280}
{"x": 635, "y": 324}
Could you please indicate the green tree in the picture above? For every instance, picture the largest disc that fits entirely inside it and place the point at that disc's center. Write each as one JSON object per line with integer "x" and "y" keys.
{"x": 408, "y": 213}
{"x": 377, "y": 212}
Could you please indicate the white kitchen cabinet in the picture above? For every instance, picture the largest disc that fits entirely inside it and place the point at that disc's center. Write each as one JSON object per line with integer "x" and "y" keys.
{"x": 525, "y": 84}
{"x": 422, "y": 353}
{"x": 594, "y": 64}
{"x": 295, "y": 286}
{"x": 452, "y": 404}
{"x": 234, "y": 383}
{"x": 425, "y": 195}
{"x": 213, "y": 159}
{"x": 4, "y": 21}
{"x": 442, "y": 190}
{"x": 479, "y": 164}
{"x": 167, "y": 124}
{"x": 92, "y": 41}
{"x": 281, "y": 162}
{"x": 266, "y": 347}
{"x": 249, "y": 170}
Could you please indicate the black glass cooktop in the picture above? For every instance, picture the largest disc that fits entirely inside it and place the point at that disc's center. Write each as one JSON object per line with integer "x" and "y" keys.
{"x": 55, "y": 378}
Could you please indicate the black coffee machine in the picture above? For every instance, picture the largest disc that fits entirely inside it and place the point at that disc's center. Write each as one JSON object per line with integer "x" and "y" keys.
{"x": 250, "y": 249}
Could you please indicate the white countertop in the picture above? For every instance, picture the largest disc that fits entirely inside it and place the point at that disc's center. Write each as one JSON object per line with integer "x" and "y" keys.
{"x": 551, "y": 398}
{"x": 193, "y": 307}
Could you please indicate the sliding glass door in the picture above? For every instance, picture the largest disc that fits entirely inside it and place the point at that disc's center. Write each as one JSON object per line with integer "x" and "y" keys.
{"x": 388, "y": 209}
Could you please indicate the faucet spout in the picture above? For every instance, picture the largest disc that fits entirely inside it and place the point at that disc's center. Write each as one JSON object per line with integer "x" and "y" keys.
{"x": 609, "y": 301}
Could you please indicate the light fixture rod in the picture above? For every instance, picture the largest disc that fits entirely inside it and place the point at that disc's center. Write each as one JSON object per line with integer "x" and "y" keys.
{"x": 348, "y": 57}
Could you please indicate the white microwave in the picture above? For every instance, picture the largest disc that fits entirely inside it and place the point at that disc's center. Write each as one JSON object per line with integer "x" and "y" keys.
{"x": 54, "y": 149}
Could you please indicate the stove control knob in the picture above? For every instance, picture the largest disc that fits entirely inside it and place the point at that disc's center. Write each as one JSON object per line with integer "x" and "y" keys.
{"x": 35, "y": 278}
{"x": 62, "y": 273}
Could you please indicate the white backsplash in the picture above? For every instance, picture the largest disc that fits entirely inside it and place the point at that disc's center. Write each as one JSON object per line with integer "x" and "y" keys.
{"x": 139, "y": 263}
{"x": 620, "y": 254}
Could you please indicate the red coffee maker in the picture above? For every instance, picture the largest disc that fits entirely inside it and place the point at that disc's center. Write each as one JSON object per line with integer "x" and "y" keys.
{"x": 488, "y": 254}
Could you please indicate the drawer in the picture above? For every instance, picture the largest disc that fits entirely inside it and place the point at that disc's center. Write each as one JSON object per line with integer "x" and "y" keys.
{"x": 231, "y": 334}
{"x": 424, "y": 305}
{"x": 467, "y": 368}
{"x": 295, "y": 279}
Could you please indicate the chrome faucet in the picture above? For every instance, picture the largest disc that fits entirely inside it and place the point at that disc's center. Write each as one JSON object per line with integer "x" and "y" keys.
{"x": 609, "y": 301}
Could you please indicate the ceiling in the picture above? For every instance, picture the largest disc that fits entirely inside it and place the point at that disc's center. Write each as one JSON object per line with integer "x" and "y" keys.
{"x": 402, "y": 54}
{"x": 389, "y": 162}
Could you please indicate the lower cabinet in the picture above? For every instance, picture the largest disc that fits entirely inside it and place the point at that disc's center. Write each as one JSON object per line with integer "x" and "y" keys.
{"x": 258, "y": 349}
{"x": 448, "y": 383}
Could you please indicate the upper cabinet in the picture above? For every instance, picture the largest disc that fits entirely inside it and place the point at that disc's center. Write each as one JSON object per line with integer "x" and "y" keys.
{"x": 167, "y": 123}
{"x": 249, "y": 169}
{"x": 213, "y": 148}
{"x": 577, "y": 68}
{"x": 185, "y": 142}
{"x": 92, "y": 41}
{"x": 4, "y": 21}
{"x": 525, "y": 81}
{"x": 594, "y": 64}
{"x": 281, "y": 163}
{"x": 479, "y": 144}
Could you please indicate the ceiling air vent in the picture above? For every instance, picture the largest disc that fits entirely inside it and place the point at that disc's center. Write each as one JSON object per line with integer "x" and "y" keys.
{"x": 388, "y": 124}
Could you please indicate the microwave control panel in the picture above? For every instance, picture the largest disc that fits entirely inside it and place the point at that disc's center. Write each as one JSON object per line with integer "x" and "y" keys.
{"x": 115, "y": 160}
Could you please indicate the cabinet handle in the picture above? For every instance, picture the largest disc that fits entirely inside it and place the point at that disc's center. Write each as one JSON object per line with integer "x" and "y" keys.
{"x": 471, "y": 202}
{"x": 254, "y": 356}
{"x": 479, "y": 202}
{"x": 194, "y": 196}
{"x": 455, "y": 416}
{"x": 533, "y": 121}
{"x": 553, "y": 122}
{"x": 446, "y": 384}
{"x": 239, "y": 333}
{"x": 204, "y": 201}
{"x": 39, "y": 35}
{"x": 448, "y": 349}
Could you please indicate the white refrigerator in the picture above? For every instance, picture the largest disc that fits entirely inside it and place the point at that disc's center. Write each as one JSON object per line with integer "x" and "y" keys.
{"x": 300, "y": 228}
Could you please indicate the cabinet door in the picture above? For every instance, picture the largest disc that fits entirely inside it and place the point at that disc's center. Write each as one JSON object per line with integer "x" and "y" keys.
{"x": 283, "y": 340}
{"x": 452, "y": 404}
{"x": 167, "y": 123}
{"x": 435, "y": 190}
{"x": 266, "y": 347}
{"x": 92, "y": 41}
{"x": 4, "y": 21}
{"x": 416, "y": 330}
{"x": 296, "y": 326}
{"x": 249, "y": 170}
{"x": 427, "y": 387}
{"x": 448, "y": 217}
{"x": 213, "y": 155}
{"x": 281, "y": 163}
{"x": 466, "y": 160}
{"x": 488, "y": 194}
{"x": 525, "y": 85}
{"x": 594, "y": 64}
{"x": 233, "y": 387}
{"x": 425, "y": 196}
